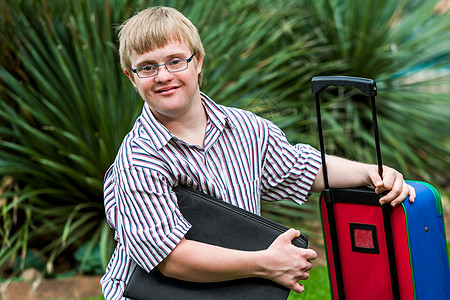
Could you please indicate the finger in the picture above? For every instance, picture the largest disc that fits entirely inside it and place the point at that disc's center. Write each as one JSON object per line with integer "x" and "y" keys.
{"x": 304, "y": 276}
{"x": 397, "y": 194}
{"x": 381, "y": 185}
{"x": 407, "y": 191}
{"x": 412, "y": 194}
{"x": 291, "y": 234}
{"x": 298, "y": 288}
{"x": 393, "y": 181}
{"x": 310, "y": 254}
{"x": 390, "y": 178}
{"x": 400, "y": 198}
{"x": 306, "y": 268}
{"x": 288, "y": 236}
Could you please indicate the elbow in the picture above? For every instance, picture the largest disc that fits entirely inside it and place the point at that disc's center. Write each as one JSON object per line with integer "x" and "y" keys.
{"x": 166, "y": 268}
{"x": 177, "y": 264}
{"x": 171, "y": 265}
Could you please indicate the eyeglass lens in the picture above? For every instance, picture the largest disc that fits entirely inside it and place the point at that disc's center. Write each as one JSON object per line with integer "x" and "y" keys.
{"x": 176, "y": 65}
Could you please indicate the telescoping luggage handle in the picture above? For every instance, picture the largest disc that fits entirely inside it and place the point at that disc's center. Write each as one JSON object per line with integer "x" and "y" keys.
{"x": 368, "y": 87}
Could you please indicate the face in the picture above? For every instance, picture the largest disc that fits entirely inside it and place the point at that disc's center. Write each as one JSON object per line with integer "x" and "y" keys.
{"x": 169, "y": 95}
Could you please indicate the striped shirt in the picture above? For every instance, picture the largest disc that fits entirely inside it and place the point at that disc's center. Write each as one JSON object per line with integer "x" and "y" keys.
{"x": 245, "y": 159}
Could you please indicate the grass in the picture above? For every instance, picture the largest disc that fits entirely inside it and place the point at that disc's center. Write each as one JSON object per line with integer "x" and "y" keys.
{"x": 316, "y": 287}
{"x": 100, "y": 297}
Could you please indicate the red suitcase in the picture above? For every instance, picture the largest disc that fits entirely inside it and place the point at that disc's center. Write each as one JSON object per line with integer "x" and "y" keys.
{"x": 374, "y": 251}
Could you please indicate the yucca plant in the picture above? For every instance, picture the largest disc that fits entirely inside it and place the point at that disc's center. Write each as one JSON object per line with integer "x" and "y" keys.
{"x": 67, "y": 105}
{"x": 69, "y": 112}
{"x": 393, "y": 42}
{"x": 404, "y": 46}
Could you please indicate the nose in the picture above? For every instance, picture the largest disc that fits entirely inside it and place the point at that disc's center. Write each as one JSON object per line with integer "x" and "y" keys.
{"x": 163, "y": 74}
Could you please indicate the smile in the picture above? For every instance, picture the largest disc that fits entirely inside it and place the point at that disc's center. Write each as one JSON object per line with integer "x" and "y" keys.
{"x": 166, "y": 90}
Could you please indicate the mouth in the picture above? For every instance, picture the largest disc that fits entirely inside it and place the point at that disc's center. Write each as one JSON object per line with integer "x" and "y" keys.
{"x": 166, "y": 90}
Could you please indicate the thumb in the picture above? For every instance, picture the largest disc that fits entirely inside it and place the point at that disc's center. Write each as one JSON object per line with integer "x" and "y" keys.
{"x": 290, "y": 234}
{"x": 375, "y": 180}
{"x": 285, "y": 238}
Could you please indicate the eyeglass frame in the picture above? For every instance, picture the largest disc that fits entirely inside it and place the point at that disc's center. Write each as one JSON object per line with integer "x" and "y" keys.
{"x": 188, "y": 60}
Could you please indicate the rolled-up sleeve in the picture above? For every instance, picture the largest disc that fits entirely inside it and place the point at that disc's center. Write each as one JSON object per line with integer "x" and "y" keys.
{"x": 289, "y": 170}
{"x": 150, "y": 224}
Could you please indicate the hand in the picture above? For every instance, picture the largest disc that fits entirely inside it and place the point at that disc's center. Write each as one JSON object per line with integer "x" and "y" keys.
{"x": 393, "y": 182}
{"x": 286, "y": 264}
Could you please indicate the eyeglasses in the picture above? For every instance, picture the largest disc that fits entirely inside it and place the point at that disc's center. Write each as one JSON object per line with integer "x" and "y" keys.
{"x": 173, "y": 66}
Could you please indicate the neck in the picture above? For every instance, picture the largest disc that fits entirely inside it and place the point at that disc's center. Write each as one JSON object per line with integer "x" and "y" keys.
{"x": 190, "y": 127}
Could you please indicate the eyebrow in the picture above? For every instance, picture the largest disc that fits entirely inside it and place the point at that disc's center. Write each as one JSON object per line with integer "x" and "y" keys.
{"x": 165, "y": 59}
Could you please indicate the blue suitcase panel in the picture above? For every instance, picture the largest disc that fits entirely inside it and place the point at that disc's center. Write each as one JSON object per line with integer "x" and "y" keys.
{"x": 426, "y": 233}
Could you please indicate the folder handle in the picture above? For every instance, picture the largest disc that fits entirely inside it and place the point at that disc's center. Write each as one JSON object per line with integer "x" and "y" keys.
{"x": 368, "y": 87}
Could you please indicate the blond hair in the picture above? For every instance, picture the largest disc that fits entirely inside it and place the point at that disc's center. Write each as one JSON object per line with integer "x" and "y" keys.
{"x": 154, "y": 28}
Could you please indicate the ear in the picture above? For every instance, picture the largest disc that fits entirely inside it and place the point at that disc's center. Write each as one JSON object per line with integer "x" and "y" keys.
{"x": 199, "y": 64}
{"x": 130, "y": 76}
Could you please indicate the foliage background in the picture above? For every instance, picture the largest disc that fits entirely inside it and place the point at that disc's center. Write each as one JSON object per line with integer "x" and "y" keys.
{"x": 66, "y": 105}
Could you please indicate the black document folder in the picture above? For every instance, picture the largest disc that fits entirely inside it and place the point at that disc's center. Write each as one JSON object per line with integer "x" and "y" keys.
{"x": 218, "y": 223}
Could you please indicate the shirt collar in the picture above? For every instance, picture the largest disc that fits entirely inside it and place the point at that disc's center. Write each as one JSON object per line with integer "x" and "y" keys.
{"x": 156, "y": 131}
{"x": 216, "y": 114}
{"x": 161, "y": 135}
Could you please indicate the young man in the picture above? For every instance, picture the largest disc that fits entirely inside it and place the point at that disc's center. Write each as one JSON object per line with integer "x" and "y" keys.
{"x": 183, "y": 137}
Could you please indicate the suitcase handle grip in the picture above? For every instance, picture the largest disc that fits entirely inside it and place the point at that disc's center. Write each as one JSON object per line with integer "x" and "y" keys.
{"x": 367, "y": 87}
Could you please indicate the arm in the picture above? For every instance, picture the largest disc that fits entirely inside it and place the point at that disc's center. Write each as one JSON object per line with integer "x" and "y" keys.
{"x": 282, "y": 262}
{"x": 343, "y": 173}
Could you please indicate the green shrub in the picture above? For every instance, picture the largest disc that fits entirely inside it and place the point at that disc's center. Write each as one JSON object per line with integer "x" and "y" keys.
{"x": 66, "y": 105}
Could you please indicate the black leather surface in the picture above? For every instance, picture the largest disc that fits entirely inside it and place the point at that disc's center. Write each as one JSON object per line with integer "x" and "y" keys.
{"x": 218, "y": 223}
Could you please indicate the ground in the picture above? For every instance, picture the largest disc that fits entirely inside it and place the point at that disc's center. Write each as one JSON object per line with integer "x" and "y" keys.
{"x": 79, "y": 287}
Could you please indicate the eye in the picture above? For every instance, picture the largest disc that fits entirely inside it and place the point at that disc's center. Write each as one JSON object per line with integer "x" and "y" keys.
{"x": 148, "y": 68}
{"x": 175, "y": 62}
